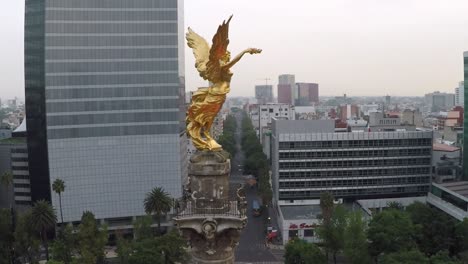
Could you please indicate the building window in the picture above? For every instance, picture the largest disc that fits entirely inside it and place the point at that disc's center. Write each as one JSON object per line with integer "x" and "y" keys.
{"x": 308, "y": 232}
{"x": 292, "y": 234}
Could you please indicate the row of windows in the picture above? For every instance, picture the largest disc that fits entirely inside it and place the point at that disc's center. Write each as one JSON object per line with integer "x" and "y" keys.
{"x": 112, "y": 105}
{"x": 355, "y": 163}
{"x": 110, "y": 40}
{"x": 113, "y": 79}
{"x": 21, "y": 177}
{"x": 167, "y": 90}
{"x": 111, "y": 52}
{"x": 356, "y": 143}
{"x": 19, "y": 168}
{"x": 111, "y": 118}
{"x": 355, "y": 173}
{"x": 21, "y": 185}
{"x": 19, "y": 150}
{"x": 123, "y": 27}
{"x": 358, "y": 182}
{"x": 113, "y": 4}
{"x": 112, "y": 131}
{"x": 356, "y": 153}
{"x": 291, "y": 195}
{"x": 112, "y": 66}
{"x": 24, "y": 159}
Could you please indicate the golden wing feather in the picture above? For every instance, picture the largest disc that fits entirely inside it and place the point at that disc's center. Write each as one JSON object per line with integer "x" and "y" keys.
{"x": 201, "y": 51}
{"x": 219, "y": 48}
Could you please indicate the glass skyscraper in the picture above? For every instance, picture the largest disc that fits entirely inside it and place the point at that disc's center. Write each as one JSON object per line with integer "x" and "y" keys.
{"x": 465, "y": 119}
{"x": 104, "y": 101}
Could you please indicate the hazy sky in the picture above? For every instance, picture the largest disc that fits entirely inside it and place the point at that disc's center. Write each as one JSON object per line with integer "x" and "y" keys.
{"x": 358, "y": 47}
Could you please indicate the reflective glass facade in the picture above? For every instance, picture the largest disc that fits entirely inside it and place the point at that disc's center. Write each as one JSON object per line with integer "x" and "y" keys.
{"x": 110, "y": 85}
{"x": 465, "y": 119}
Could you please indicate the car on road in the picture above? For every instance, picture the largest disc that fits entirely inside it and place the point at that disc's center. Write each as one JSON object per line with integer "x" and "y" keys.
{"x": 256, "y": 209}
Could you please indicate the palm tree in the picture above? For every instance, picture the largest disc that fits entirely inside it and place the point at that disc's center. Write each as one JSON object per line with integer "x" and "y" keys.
{"x": 59, "y": 187}
{"x": 159, "y": 202}
{"x": 7, "y": 180}
{"x": 44, "y": 219}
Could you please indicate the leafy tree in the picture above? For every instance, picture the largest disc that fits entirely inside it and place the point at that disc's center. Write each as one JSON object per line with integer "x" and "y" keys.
{"x": 300, "y": 252}
{"x": 59, "y": 187}
{"x": 442, "y": 257}
{"x": 159, "y": 202}
{"x": 64, "y": 245}
{"x": 461, "y": 238}
{"x": 390, "y": 231}
{"x": 169, "y": 248}
{"x": 355, "y": 240}
{"x": 434, "y": 229}
{"x": 172, "y": 247}
{"x": 407, "y": 257}
{"x": 91, "y": 239}
{"x": 327, "y": 206}
{"x": 44, "y": 219}
{"x": 395, "y": 205}
{"x": 142, "y": 227}
{"x": 332, "y": 232}
{"x": 27, "y": 241}
{"x": 6, "y": 235}
{"x": 124, "y": 250}
{"x": 7, "y": 180}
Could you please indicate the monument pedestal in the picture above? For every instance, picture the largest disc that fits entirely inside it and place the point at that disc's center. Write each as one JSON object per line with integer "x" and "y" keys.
{"x": 207, "y": 216}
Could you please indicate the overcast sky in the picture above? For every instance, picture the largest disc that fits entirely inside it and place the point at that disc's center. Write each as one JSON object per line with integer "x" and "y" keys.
{"x": 358, "y": 47}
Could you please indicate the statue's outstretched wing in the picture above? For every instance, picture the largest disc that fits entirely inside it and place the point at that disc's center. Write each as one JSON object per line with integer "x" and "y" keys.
{"x": 219, "y": 48}
{"x": 201, "y": 50}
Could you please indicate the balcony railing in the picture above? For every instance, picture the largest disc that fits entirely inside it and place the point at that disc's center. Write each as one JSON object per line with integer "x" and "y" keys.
{"x": 205, "y": 207}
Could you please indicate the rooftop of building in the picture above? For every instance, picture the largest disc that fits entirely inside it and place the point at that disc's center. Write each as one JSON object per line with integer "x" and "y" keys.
{"x": 299, "y": 212}
{"x": 444, "y": 147}
{"x": 459, "y": 187}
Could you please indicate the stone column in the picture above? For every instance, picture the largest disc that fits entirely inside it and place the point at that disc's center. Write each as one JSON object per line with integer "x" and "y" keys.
{"x": 207, "y": 217}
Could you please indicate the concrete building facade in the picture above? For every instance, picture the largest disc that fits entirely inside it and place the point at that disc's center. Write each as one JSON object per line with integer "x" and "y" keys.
{"x": 288, "y": 81}
{"x": 438, "y": 101}
{"x": 105, "y": 98}
{"x": 307, "y": 94}
{"x": 308, "y": 158}
{"x": 264, "y": 94}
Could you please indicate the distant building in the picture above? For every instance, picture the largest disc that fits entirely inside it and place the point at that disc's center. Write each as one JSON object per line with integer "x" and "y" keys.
{"x": 269, "y": 111}
{"x": 465, "y": 119}
{"x": 288, "y": 82}
{"x": 445, "y": 162}
{"x": 264, "y": 94}
{"x": 349, "y": 112}
{"x": 438, "y": 101}
{"x": 388, "y": 100}
{"x": 460, "y": 94}
{"x": 284, "y": 94}
{"x": 411, "y": 117}
{"x": 307, "y": 94}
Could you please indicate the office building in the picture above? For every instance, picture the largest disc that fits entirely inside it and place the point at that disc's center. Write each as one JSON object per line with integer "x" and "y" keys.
{"x": 307, "y": 94}
{"x": 264, "y": 94}
{"x": 411, "y": 117}
{"x": 460, "y": 94}
{"x": 268, "y": 111}
{"x": 287, "y": 82}
{"x": 438, "y": 101}
{"x": 348, "y": 112}
{"x": 309, "y": 157}
{"x": 465, "y": 118}
{"x": 105, "y": 103}
{"x": 450, "y": 197}
{"x": 14, "y": 160}
{"x": 388, "y": 100}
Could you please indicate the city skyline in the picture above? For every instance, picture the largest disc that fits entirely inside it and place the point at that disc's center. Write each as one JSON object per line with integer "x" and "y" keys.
{"x": 406, "y": 48}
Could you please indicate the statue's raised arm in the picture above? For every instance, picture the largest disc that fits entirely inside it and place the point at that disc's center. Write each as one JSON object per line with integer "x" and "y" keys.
{"x": 214, "y": 65}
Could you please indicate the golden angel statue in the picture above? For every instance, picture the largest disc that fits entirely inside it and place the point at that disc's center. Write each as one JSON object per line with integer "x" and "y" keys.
{"x": 214, "y": 65}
